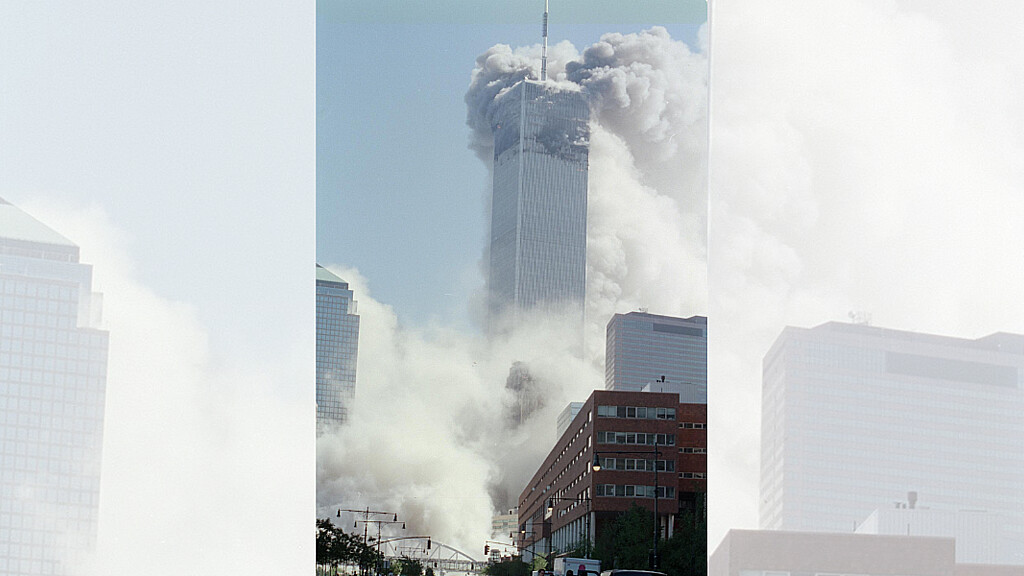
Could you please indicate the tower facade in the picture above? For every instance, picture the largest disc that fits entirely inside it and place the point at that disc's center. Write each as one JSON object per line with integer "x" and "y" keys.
{"x": 642, "y": 348}
{"x": 337, "y": 343}
{"x": 855, "y": 417}
{"x": 538, "y": 244}
{"x": 53, "y": 371}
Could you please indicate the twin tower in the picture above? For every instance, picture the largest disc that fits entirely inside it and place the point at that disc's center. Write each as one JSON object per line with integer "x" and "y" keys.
{"x": 538, "y": 241}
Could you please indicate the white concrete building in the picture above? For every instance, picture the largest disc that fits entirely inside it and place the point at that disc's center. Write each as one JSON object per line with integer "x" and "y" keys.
{"x": 854, "y": 417}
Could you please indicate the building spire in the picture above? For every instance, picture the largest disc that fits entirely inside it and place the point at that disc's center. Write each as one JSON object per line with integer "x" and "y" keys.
{"x": 544, "y": 53}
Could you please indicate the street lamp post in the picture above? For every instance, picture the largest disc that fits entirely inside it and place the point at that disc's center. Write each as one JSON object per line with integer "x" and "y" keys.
{"x": 379, "y": 523}
{"x": 657, "y": 523}
{"x": 366, "y": 515}
{"x": 522, "y": 539}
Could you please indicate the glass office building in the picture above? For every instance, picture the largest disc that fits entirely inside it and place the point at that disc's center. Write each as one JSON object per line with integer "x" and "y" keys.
{"x": 855, "y": 417}
{"x": 642, "y": 348}
{"x": 53, "y": 371}
{"x": 337, "y": 341}
{"x": 539, "y": 204}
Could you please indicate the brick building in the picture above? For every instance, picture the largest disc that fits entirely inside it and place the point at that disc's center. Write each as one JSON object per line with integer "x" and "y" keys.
{"x": 566, "y": 499}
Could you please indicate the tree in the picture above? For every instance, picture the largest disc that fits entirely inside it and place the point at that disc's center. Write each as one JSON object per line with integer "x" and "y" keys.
{"x": 324, "y": 535}
{"x": 508, "y": 568}
{"x": 406, "y": 566}
{"x": 627, "y": 541}
{"x": 330, "y": 544}
{"x": 581, "y": 549}
{"x": 334, "y": 547}
{"x": 686, "y": 551}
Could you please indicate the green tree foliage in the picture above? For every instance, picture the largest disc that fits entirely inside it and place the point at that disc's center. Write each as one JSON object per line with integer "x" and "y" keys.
{"x": 581, "y": 549}
{"x": 627, "y": 542}
{"x": 686, "y": 551}
{"x": 334, "y": 547}
{"x": 408, "y": 567}
{"x": 508, "y": 568}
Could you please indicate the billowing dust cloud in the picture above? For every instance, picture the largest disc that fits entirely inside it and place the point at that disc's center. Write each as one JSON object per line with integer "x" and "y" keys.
{"x": 442, "y": 430}
{"x": 194, "y": 439}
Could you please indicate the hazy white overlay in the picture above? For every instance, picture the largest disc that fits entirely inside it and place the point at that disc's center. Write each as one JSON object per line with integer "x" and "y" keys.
{"x": 174, "y": 144}
{"x": 865, "y": 156}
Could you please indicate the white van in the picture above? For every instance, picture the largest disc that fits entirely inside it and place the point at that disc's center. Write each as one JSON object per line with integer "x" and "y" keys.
{"x": 568, "y": 566}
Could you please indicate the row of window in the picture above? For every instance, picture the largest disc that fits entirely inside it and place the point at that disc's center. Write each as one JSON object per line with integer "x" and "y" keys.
{"x": 693, "y": 450}
{"x": 53, "y": 307}
{"x": 694, "y": 475}
{"x": 62, "y": 387}
{"x": 642, "y": 412}
{"x": 38, "y": 290}
{"x": 630, "y": 490}
{"x": 643, "y": 438}
{"x": 575, "y": 458}
{"x": 58, "y": 412}
{"x": 20, "y": 362}
{"x": 693, "y": 425}
{"x": 37, "y": 320}
{"x": 72, "y": 336}
{"x": 69, "y": 415}
{"x": 52, "y": 349}
{"x": 637, "y": 464}
{"x": 336, "y": 362}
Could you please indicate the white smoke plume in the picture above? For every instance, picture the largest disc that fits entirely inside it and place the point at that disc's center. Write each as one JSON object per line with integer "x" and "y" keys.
{"x": 428, "y": 437}
{"x": 194, "y": 443}
{"x": 647, "y": 208}
{"x": 864, "y": 156}
{"x": 497, "y": 70}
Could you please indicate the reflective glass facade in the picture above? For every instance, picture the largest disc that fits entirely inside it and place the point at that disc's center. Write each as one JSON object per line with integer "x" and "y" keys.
{"x": 337, "y": 342}
{"x": 854, "y": 417}
{"x": 53, "y": 369}
{"x": 539, "y": 204}
{"x": 641, "y": 348}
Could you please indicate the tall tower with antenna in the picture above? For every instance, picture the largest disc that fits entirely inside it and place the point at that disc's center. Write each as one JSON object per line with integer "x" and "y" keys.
{"x": 538, "y": 236}
{"x": 544, "y": 51}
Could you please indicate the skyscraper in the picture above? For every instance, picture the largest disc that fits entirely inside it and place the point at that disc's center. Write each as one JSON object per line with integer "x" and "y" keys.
{"x": 642, "y": 348}
{"x": 855, "y": 417}
{"x": 337, "y": 342}
{"x": 53, "y": 370}
{"x": 539, "y": 203}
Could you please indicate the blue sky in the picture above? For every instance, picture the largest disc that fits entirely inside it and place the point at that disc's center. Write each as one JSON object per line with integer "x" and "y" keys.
{"x": 400, "y": 196}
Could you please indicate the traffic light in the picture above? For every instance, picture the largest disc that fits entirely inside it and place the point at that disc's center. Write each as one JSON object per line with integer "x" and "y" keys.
{"x": 487, "y": 549}
{"x": 428, "y": 543}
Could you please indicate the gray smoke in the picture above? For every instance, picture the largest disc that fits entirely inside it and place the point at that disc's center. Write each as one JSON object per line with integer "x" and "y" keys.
{"x": 430, "y": 435}
{"x": 497, "y": 70}
{"x": 444, "y": 452}
{"x": 647, "y": 218}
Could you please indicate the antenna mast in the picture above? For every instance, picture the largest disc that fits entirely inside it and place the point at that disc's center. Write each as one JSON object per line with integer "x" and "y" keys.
{"x": 544, "y": 54}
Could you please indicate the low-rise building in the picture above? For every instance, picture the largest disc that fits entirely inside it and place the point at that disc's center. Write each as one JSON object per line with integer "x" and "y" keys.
{"x": 504, "y": 524}
{"x": 647, "y": 444}
{"x": 793, "y": 553}
{"x": 788, "y": 553}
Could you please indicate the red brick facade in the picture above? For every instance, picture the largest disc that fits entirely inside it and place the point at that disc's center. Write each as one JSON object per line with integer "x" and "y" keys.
{"x": 567, "y": 476}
